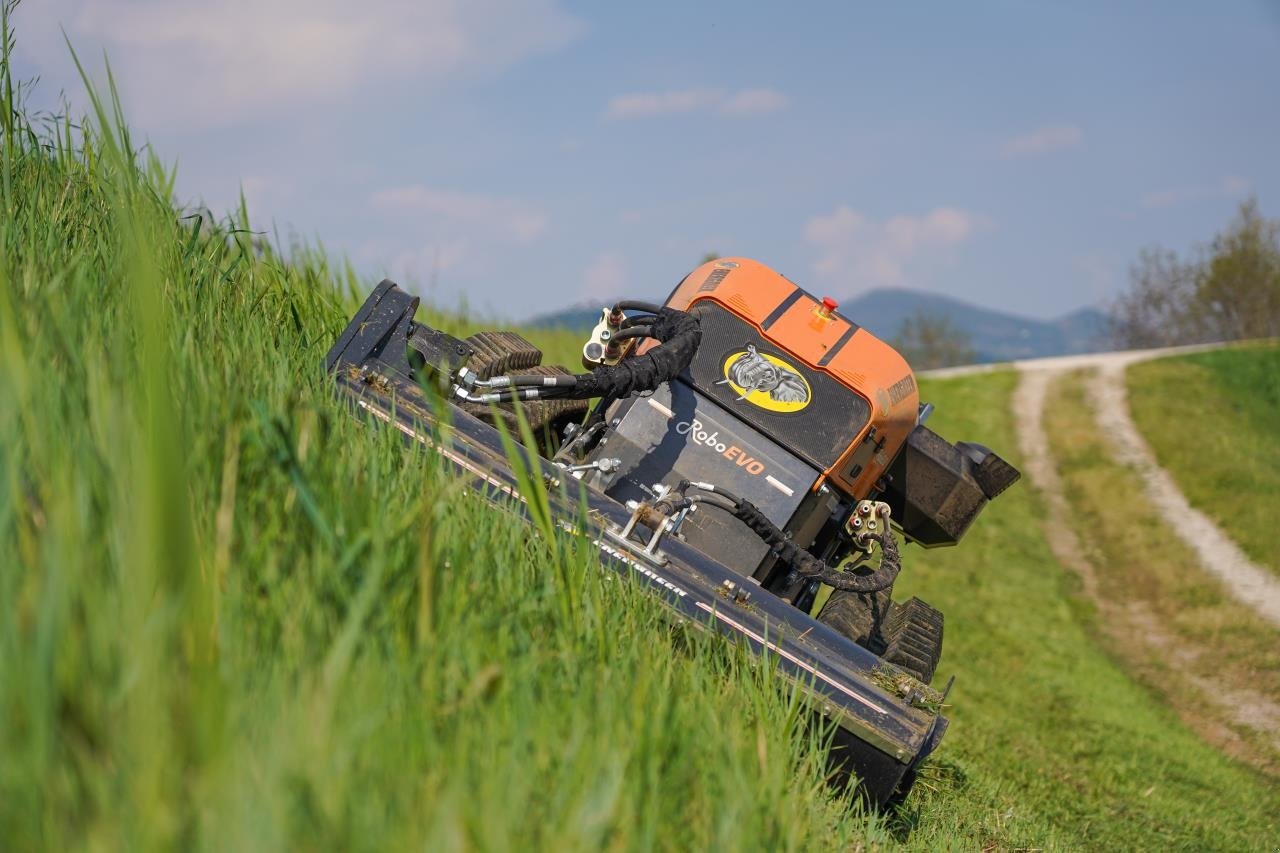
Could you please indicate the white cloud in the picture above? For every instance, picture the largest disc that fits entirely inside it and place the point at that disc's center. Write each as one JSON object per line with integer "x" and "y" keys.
{"x": 1228, "y": 187}
{"x": 856, "y": 251}
{"x": 209, "y": 62}
{"x": 743, "y": 103}
{"x": 605, "y": 277}
{"x": 511, "y": 219}
{"x": 653, "y": 104}
{"x": 753, "y": 102}
{"x": 1043, "y": 140}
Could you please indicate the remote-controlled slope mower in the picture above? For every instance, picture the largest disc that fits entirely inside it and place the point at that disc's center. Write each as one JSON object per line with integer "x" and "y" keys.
{"x": 749, "y": 455}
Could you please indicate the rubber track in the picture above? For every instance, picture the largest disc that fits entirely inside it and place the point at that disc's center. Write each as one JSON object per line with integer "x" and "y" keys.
{"x": 913, "y": 638}
{"x": 908, "y": 635}
{"x": 859, "y": 616}
{"x": 497, "y": 353}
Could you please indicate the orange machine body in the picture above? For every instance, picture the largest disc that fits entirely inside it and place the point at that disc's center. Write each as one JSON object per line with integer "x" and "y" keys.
{"x": 812, "y": 332}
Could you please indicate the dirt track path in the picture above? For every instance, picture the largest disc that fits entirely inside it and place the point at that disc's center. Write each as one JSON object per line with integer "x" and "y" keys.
{"x": 1218, "y": 555}
{"x": 1131, "y": 623}
{"x": 1028, "y": 413}
{"x": 1250, "y": 583}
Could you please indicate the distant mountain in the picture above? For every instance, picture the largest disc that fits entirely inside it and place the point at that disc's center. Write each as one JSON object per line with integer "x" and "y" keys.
{"x": 994, "y": 335}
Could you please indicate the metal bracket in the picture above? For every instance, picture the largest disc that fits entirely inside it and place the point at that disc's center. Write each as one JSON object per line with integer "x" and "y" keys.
{"x": 601, "y": 349}
{"x": 867, "y": 521}
{"x": 604, "y": 466}
{"x": 643, "y": 513}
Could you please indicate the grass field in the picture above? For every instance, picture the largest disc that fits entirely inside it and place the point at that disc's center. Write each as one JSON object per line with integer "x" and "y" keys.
{"x": 1053, "y": 742}
{"x": 232, "y": 617}
{"x": 1171, "y": 621}
{"x": 1213, "y": 420}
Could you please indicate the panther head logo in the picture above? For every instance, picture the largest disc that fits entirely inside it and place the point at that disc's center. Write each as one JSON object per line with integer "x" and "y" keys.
{"x": 752, "y": 372}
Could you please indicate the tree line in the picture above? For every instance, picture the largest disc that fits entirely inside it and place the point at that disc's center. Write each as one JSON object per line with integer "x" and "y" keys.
{"x": 1226, "y": 290}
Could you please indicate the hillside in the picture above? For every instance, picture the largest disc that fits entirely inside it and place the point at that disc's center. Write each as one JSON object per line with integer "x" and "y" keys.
{"x": 234, "y": 617}
{"x": 995, "y": 335}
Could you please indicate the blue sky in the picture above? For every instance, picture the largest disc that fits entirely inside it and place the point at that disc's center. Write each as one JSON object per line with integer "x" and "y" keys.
{"x": 529, "y": 154}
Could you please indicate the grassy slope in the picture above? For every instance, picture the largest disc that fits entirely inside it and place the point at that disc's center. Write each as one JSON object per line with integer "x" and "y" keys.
{"x": 230, "y": 616}
{"x": 1213, "y": 420}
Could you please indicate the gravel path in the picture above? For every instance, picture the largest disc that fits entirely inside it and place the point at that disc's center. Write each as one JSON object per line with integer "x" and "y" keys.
{"x": 1248, "y": 582}
{"x": 1037, "y": 463}
{"x": 1130, "y": 622}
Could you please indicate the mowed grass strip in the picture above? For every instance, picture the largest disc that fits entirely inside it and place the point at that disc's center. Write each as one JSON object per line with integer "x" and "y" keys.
{"x": 1213, "y": 421}
{"x": 1053, "y": 742}
{"x": 1174, "y": 623}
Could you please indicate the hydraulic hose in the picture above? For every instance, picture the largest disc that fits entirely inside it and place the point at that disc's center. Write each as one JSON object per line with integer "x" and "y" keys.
{"x": 678, "y": 336}
{"x": 793, "y": 555}
{"x": 638, "y": 305}
{"x": 633, "y": 332}
{"x": 810, "y": 566}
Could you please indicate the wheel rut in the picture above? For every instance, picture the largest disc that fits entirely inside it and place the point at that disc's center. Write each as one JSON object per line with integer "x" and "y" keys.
{"x": 1251, "y": 584}
{"x": 1220, "y": 709}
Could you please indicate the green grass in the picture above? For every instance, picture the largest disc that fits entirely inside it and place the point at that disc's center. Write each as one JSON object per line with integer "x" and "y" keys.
{"x": 1213, "y": 421}
{"x": 233, "y": 617}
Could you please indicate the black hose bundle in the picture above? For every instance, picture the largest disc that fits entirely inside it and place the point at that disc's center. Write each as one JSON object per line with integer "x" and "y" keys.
{"x": 793, "y": 555}
{"x": 637, "y": 305}
{"x": 678, "y": 335}
{"x": 810, "y": 566}
{"x": 633, "y": 331}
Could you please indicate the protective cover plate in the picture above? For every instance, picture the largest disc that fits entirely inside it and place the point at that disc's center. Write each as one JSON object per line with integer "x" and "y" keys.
{"x": 677, "y": 434}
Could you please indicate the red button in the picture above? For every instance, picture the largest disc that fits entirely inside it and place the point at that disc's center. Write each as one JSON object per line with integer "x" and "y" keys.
{"x": 829, "y": 304}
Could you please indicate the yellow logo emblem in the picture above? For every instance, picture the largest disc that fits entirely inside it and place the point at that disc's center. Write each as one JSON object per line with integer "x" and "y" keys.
{"x": 766, "y": 381}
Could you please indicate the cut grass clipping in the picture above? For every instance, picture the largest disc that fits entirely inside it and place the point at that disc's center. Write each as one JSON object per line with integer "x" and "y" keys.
{"x": 234, "y": 617}
{"x": 1213, "y": 421}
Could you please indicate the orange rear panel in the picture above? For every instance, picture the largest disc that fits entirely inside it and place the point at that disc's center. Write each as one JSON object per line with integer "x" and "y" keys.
{"x": 797, "y": 323}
